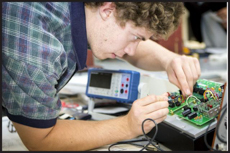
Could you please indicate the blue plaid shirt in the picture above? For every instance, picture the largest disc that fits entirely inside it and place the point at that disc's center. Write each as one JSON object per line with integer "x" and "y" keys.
{"x": 43, "y": 44}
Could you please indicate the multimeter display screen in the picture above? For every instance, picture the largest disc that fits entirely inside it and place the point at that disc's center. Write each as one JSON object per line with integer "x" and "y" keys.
{"x": 100, "y": 80}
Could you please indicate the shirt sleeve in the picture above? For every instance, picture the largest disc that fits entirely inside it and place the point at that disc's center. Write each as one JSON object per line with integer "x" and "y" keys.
{"x": 29, "y": 94}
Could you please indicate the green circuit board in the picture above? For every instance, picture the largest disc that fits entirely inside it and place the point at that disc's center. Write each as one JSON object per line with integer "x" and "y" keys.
{"x": 202, "y": 116}
{"x": 202, "y": 106}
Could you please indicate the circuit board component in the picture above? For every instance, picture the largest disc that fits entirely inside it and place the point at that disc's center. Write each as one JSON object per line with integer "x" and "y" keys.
{"x": 200, "y": 107}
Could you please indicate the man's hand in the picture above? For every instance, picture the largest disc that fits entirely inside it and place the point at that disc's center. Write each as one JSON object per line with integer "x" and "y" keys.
{"x": 154, "y": 107}
{"x": 183, "y": 71}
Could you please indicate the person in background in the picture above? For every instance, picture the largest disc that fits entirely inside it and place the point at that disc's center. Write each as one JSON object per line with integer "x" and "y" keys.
{"x": 209, "y": 22}
{"x": 44, "y": 44}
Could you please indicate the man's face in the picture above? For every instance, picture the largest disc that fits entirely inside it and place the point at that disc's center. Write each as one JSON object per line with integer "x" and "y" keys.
{"x": 110, "y": 40}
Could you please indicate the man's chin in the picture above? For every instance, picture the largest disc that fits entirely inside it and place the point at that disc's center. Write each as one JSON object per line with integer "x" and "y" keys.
{"x": 100, "y": 57}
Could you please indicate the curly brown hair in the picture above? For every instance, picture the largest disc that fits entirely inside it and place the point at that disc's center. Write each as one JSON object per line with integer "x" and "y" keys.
{"x": 158, "y": 17}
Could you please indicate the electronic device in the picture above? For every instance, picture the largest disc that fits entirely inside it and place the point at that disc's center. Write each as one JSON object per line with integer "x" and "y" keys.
{"x": 202, "y": 106}
{"x": 180, "y": 131}
{"x": 189, "y": 117}
{"x": 119, "y": 85}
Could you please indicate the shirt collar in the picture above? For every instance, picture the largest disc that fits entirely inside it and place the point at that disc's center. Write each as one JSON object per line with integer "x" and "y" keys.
{"x": 78, "y": 30}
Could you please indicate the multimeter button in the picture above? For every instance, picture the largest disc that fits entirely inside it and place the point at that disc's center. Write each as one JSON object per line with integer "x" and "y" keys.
{"x": 122, "y": 85}
{"x": 126, "y": 85}
{"x": 122, "y": 90}
{"x": 127, "y": 79}
{"x": 126, "y": 91}
{"x": 116, "y": 91}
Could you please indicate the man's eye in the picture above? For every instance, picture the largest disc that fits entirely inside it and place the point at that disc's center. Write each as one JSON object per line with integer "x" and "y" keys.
{"x": 136, "y": 38}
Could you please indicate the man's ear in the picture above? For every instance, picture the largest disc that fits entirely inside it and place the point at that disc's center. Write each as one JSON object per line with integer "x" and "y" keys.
{"x": 106, "y": 10}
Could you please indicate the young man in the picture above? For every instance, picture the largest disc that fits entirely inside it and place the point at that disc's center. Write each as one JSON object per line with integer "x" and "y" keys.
{"x": 45, "y": 43}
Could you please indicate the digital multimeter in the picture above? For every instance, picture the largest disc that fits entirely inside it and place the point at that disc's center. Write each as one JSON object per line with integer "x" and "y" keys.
{"x": 119, "y": 85}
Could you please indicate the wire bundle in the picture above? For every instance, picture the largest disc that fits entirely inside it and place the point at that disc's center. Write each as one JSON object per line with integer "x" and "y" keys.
{"x": 150, "y": 141}
{"x": 212, "y": 93}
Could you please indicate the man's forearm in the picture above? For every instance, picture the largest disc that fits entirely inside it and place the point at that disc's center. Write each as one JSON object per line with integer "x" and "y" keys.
{"x": 79, "y": 135}
{"x": 151, "y": 56}
{"x": 183, "y": 71}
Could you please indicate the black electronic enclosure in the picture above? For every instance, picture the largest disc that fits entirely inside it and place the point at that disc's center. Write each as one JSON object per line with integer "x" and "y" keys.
{"x": 178, "y": 141}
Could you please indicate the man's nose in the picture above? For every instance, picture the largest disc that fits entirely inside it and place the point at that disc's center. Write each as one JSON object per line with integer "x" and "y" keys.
{"x": 131, "y": 49}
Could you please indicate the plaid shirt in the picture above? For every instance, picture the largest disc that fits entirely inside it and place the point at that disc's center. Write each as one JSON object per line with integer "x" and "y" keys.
{"x": 38, "y": 60}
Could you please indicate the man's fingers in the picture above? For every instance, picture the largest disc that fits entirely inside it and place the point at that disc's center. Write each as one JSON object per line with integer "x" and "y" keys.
{"x": 189, "y": 75}
{"x": 184, "y": 72}
{"x": 173, "y": 79}
{"x": 197, "y": 65}
{"x": 151, "y": 99}
{"x": 165, "y": 94}
{"x": 196, "y": 73}
{"x": 161, "y": 119}
{"x": 156, "y": 106}
{"x": 182, "y": 80}
{"x": 158, "y": 114}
